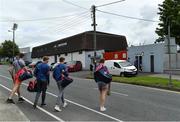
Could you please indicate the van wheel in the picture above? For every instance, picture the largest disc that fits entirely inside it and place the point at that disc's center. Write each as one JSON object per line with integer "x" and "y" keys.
{"x": 121, "y": 74}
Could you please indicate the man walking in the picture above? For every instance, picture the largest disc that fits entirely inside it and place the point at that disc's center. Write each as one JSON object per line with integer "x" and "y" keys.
{"x": 17, "y": 65}
{"x": 41, "y": 73}
{"x": 59, "y": 72}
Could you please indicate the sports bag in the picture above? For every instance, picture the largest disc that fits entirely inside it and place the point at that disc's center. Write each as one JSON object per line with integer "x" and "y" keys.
{"x": 102, "y": 76}
{"x": 66, "y": 81}
{"x": 32, "y": 86}
{"x": 24, "y": 74}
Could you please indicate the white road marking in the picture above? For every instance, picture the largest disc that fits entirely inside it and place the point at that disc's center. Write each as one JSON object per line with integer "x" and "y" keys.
{"x": 116, "y": 93}
{"x": 95, "y": 111}
{"x": 50, "y": 114}
{"x": 88, "y": 108}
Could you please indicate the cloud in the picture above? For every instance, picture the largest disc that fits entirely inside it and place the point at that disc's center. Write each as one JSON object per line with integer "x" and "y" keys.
{"x": 34, "y": 33}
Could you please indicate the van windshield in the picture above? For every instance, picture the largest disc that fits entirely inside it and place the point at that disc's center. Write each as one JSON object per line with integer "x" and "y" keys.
{"x": 125, "y": 64}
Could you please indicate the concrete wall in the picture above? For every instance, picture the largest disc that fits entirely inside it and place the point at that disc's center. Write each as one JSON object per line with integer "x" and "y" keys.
{"x": 79, "y": 57}
{"x": 36, "y": 59}
{"x": 27, "y": 56}
{"x": 157, "y": 50}
{"x": 175, "y": 61}
{"x": 178, "y": 60}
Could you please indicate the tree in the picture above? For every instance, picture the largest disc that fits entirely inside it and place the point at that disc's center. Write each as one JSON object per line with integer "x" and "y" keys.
{"x": 7, "y": 49}
{"x": 1, "y": 52}
{"x": 169, "y": 12}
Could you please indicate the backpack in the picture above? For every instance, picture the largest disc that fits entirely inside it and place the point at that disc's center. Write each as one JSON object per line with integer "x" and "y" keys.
{"x": 102, "y": 76}
{"x": 57, "y": 73}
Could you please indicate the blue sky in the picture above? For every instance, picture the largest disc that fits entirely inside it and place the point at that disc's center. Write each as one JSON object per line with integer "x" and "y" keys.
{"x": 44, "y": 21}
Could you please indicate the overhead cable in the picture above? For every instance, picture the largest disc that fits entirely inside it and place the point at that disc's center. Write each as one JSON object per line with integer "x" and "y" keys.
{"x": 110, "y": 3}
{"x": 67, "y": 22}
{"x": 43, "y": 19}
{"x": 74, "y": 4}
{"x": 129, "y": 17}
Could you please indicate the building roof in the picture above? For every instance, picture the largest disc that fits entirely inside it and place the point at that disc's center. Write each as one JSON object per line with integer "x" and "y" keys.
{"x": 80, "y": 42}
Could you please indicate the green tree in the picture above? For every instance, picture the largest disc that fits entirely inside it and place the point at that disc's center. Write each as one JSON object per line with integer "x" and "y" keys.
{"x": 169, "y": 10}
{"x": 7, "y": 49}
{"x": 1, "y": 52}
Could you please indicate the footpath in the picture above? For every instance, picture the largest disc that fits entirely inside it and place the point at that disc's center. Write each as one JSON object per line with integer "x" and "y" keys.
{"x": 10, "y": 112}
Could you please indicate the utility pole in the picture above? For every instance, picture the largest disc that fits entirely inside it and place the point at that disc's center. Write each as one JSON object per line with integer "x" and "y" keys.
{"x": 14, "y": 28}
{"x": 169, "y": 51}
{"x": 94, "y": 26}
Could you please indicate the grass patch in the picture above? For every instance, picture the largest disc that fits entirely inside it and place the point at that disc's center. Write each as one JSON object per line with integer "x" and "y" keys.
{"x": 148, "y": 81}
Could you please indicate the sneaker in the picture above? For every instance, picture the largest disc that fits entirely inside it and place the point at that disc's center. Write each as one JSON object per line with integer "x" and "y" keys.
{"x": 43, "y": 104}
{"x": 65, "y": 104}
{"x": 56, "y": 108}
{"x": 10, "y": 101}
{"x": 102, "y": 109}
{"x": 21, "y": 99}
{"x": 34, "y": 106}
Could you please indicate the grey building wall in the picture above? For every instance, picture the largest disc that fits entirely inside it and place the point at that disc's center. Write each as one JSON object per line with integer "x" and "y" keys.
{"x": 89, "y": 55}
{"x": 157, "y": 50}
{"x": 27, "y": 53}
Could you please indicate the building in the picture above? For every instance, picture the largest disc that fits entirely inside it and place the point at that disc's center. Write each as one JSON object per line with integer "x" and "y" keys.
{"x": 81, "y": 47}
{"x": 27, "y": 53}
{"x": 155, "y": 57}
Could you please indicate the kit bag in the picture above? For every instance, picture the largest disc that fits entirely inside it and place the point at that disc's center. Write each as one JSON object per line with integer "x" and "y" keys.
{"x": 24, "y": 74}
{"x": 66, "y": 81}
{"x": 32, "y": 86}
{"x": 102, "y": 76}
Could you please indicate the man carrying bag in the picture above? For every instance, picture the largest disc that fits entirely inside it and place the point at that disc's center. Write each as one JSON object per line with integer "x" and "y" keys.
{"x": 60, "y": 74}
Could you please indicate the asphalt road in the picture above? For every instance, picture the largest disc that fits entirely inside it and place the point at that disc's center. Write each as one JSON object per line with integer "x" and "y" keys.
{"x": 126, "y": 103}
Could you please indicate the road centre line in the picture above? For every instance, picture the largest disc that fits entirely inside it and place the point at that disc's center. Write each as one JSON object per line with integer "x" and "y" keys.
{"x": 43, "y": 110}
{"x": 85, "y": 107}
{"x": 115, "y": 93}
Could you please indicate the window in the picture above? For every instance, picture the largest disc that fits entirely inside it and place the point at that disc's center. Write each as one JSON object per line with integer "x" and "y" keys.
{"x": 124, "y": 55}
{"x": 116, "y": 65}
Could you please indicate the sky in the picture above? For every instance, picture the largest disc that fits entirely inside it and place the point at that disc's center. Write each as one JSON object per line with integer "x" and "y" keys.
{"x": 44, "y": 21}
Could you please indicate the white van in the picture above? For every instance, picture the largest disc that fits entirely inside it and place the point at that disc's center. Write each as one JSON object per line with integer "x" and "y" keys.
{"x": 120, "y": 67}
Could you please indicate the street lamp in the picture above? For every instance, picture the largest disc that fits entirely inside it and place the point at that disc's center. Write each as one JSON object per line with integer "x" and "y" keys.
{"x": 13, "y": 30}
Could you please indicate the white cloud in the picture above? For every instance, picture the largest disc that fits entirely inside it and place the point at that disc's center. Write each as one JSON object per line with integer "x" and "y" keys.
{"x": 33, "y": 33}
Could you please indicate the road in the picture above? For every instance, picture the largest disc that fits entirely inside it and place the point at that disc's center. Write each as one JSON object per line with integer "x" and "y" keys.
{"x": 126, "y": 102}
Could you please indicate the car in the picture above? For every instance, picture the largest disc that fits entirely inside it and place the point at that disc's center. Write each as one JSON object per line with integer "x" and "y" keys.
{"x": 74, "y": 66}
{"x": 120, "y": 68}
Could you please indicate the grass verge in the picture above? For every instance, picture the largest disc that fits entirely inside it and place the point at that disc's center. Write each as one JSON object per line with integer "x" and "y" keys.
{"x": 148, "y": 81}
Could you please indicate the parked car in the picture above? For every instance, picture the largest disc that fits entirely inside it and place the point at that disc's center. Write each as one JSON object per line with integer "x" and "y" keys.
{"x": 74, "y": 66}
{"x": 120, "y": 67}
